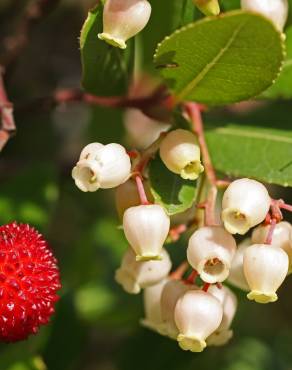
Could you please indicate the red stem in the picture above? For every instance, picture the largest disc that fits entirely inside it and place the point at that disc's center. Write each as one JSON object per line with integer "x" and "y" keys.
{"x": 193, "y": 275}
{"x": 269, "y": 238}
{"x": 206, "y": 286}
{"x": 223, "y": 183}
{"x": 285, "y": 206}
{"x": 193, "y": 111}
{"x": 275, "y": 209}
{"x": 141, "y": 190}
{"x": 159, "y": 98}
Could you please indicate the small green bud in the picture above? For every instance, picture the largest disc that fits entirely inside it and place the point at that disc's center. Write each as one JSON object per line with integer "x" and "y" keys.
{"x": 208, "y": 7}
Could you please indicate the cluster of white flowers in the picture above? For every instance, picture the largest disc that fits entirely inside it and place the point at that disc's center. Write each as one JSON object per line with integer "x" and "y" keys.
{"x": 194, "y": 316}
{"x": 195, "y": 312}
{"x": 197, "y": 318}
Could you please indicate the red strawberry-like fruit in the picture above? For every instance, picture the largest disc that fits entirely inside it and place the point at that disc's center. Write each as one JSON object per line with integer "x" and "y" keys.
{"x": 29, "y": 280}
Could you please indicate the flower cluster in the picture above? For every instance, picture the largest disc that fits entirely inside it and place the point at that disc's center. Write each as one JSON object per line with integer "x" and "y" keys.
{"x": 196, "y": 311}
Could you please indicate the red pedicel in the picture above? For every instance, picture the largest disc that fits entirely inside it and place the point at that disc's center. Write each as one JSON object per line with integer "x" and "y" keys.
{"x": 29, "y": 280}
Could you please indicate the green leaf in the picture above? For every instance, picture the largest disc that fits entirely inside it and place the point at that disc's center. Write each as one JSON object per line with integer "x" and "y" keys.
{"x": 283, "y": 85}
{"x": 106, "y": 69}
{"x": 165, "y": 18}
{"x": 221, "y": 60}
{"x": 249, "y": 151}
{"x": 171, "y": 191}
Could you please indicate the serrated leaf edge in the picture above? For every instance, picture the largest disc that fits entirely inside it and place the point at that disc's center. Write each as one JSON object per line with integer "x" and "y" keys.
{"x": 225, "y": 15}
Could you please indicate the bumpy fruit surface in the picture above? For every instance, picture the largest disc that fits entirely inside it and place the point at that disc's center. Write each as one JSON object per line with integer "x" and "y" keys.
{"x": 29, "y": 280}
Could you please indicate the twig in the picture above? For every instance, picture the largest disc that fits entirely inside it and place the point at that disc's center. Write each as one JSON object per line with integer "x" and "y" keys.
{"x": 285, "y": 206}
{"x": 193, "y": 111}
{"x": 34, "y": 13}
{"x": 222, "y": 184}
{"x": 7, "y": 127}
{"x": 275, "y": 210}
{"x": 206, "y": 287}
{"x": 272, "y": 226}
{"x": 192, "y": 277}
{"x": 159, "y": 98}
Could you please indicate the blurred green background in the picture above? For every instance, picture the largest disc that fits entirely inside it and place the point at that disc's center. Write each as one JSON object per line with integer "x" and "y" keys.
{"x": 96, "y": 326}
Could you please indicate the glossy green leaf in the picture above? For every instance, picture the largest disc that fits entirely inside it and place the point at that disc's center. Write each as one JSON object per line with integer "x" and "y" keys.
{"x": 283, "y": 85}
{"x": 165, "y": 18}
{"x": 244, "y": 150}
{"x": 171, "y": 191}
{"x": 106, "y": 69}
{"x": 221, "y": 60}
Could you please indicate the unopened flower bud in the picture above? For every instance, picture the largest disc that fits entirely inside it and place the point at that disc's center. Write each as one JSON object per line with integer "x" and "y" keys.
{"x": 180, "y": 153}
{"x": 123, "y": 19}
{"x": 245, "y": 204}
{"x": 265, "y": 269}
{"x": 101, "y": 166}
{"x": 152, "y": 306}
{"x": 236, "y": 274}
{"x": 142, "y": 131}
{"x": 275, "y": 10}
{"x": 134, "y": 276}
{"x": 208, "y": 7}
{"x": 127, "y": 196}
{"x": 171, "y": 292}
{"x": 282, "y": 237}
{"x": 146, "y": 228}
{"x": 229, "y": 303}
{"x": 210, "y": 253}
{"x": 197, "y": 315}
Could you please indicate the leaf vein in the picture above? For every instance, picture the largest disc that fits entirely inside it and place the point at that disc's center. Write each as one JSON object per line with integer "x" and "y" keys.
{"x": 210, "y": 65}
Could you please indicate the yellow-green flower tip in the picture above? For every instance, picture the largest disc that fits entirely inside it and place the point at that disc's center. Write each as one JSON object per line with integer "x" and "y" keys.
{"x": 114, "y": 41}
{"x": 208, "y": 7}
{"x": 189, "y": 343}
{"x": 261, "y": 297}
{"x": 192, "y": 171}
{"x": 148, "y": 257}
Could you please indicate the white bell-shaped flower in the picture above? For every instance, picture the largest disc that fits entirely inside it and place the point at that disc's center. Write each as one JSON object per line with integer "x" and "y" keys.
{"x": 101, "y": 166}
{"x": 142, "y": 131}
{"x": 152, "y": 306}
{"x": 208, "y": 7}
{"x": 197, "y": 315}
{"x": 265, "y": 268}
{"x": 245, "y": 204}
{"x": 282, "y": 237}
{"x": 181, "y": 153}
{"x": 229, "y": 303}
{"x": 236, "y": 274}
{"x": 171, "y": 292}
{"x": 275, "y": 10}
{"x": 123, "y": 19}
{"x": 210, "y": 252}
{"x": 134, "y": 276}
{"x": 146, "y": 228}
{"x": 127, "y": 196}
